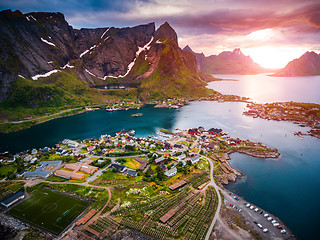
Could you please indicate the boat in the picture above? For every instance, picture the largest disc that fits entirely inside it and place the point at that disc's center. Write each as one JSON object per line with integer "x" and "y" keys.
{"x": 109, "y": 109}
{"x": 136, "y": 115}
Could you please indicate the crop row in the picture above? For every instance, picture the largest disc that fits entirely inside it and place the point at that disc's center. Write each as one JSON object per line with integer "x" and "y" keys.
{"x": 202, "y": 181}
{"x": 195, "y": 198}
{"x": 180, "y": 215}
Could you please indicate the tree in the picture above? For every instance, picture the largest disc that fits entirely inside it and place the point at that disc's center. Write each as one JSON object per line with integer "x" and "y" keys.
{"x": 114, "y": 170}
{"x": 189, "y": 162}
{"x": 160, "y": 175}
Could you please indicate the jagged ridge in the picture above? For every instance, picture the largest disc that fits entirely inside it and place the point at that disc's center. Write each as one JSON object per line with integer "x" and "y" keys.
{"x": 308, "y": 64}
{"x": 227, "y": 62}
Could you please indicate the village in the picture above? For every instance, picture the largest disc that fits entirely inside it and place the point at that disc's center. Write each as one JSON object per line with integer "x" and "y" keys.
{"x": 130, "y": 175}
{"x": 303, "y": 114}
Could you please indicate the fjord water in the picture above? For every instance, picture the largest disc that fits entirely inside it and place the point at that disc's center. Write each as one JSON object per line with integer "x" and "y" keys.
{"x": 262, "y": 88}
{"x": 287, "y": 187}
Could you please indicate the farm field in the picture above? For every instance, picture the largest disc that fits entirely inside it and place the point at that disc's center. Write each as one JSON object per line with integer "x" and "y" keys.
{"x": 49, "y": 210}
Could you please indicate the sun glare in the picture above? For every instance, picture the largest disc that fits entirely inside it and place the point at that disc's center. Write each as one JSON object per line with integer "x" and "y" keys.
{"x": 273, "y": 57}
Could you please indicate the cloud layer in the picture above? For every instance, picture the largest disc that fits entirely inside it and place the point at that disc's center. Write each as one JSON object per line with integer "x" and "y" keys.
{"x": 208, "y": 26}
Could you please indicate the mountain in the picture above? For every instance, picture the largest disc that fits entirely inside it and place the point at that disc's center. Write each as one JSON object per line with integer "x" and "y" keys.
{"x": 39, "y": 49}
{"x": 308, "y": 64}
{"x": 227, "y": 62}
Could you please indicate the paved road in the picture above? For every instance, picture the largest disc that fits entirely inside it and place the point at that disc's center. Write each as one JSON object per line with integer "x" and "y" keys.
{"x": 212, "y": 183}
{"x": 252, "y": 215}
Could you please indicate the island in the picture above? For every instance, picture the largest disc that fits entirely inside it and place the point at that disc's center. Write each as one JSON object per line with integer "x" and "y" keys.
{"x": 303, "y": 114}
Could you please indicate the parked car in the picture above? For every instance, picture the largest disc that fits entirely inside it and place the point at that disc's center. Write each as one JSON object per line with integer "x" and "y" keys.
{"x": 276, "y": 224}
{"x": 256, "y": 210}
{"x": 251, "y": 207}
{"x": 269, "y": 218}
{"x": 283, "y": 231}
{"x": 245, "y": 203}
{"x": 266, "y": 215}
{"x": 261, "y": 212}
{"x": 239, "y": 210}
{"x": 265, "y": 230}
{"x": 248, "y": 205}
{"x": 279, "y": 227}
{"x": 255, "y": 222}
{"x": 273, "y": 221}
{"x": 236, "y": 198}
{"x": 259, "y": 225}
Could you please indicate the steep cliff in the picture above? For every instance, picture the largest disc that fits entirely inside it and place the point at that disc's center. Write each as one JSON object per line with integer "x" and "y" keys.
{"x": 307, "y": 65}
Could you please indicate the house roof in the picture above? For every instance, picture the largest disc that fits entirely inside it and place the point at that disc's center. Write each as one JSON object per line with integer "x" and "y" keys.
{"x": 13, "y": 197}
{"x": 172, "y": 170}
{"x": 119, "y": 167}
{"x": 160, "y": 159}
{"x": 177, "y": 185}
{"x": 132, "y": 173}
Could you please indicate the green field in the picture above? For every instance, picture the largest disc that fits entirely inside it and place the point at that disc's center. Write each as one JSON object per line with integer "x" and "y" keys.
{"x": 49, "y": 210}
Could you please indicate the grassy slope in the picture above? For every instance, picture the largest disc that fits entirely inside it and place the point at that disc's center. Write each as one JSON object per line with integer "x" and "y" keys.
{"x": 173, "y": 78}
{"x": 60, "y": 91}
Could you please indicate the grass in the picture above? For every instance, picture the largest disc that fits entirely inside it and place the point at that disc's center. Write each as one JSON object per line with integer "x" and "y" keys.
{"x": 4, "y": 170}
{"x": 109, "y": 175}
{"x": 49, "y": 210}
{"x": 131, "y": 163}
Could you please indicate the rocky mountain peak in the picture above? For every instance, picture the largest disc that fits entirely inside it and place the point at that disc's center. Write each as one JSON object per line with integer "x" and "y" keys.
{"x": 308, "y": 64}
{"x": 165, "y": 32}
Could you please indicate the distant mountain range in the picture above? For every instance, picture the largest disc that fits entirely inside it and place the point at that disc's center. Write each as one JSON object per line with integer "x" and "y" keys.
{"x": 307, "y": 65}
{"x": 227, "y": 62}
{"x": 40, "y": 45}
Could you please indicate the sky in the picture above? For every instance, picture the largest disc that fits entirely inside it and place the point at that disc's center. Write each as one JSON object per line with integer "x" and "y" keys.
{"x": 272, "y": 32}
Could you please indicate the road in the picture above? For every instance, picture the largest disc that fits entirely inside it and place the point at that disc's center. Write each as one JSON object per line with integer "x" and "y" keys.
{"x": 212, "y": 183}
{"x": 51, "y": 115}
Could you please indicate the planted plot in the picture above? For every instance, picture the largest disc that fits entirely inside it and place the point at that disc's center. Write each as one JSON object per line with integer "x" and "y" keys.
{"x": 49, "y": 210}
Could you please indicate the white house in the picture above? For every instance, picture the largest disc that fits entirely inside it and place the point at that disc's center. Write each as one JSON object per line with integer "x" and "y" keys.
{"x": 171, "y": 172}
{"x": 195, "y": 159}
{"x": 181, "y": 157}
{"x": 70, "y": 143}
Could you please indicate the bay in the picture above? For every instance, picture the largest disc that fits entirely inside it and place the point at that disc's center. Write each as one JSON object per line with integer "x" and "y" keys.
{"x": 262, "y": 88}
{"x": 287, "y": 187}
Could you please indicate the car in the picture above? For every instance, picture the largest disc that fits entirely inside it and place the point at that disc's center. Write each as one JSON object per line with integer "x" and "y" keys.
{"x": 266, "y": 215}
{"x": 256, "y": 210}
{"x": 261, "y": 212}
{"x": 255, "y": 222}
{"x": 245, "y": 203}
{"x": 269, "y": 218}
{"x": 230, "y": 205}
{"x": 248, "y": 205}
{"x": 236, "y": 198}
{"x": 283, "y": 231}
{"x": 265, "y": 230}
{"x": 239, "y": 210}
{"x": 276, "y": 224}
{"x": 273, "y": 221}
{"x": 279, "y": 227}
{"x": 251, "y": 207}
{"x": 259, "y": 225}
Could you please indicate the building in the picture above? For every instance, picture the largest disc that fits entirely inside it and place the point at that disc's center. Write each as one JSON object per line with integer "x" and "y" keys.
{"x": 181, "y": 157}
{"x": 214, "y": 131}
{"x": 12, "y": 199}
{"x": 69, "y": 175}
{"x": 171, "y": 172}
{"x": 70, "y": 143}
{"x": 143, "y": 163}
{"x": 118, "y": 167}
{"x": 159, "y": 160}
{"x": 194, "y": 159}
{"x": 132, "y": 173}
{"x": 44, "y": 169}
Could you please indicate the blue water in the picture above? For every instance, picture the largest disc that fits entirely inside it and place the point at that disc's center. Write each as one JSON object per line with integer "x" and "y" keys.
{"x": 287, "y": 187}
